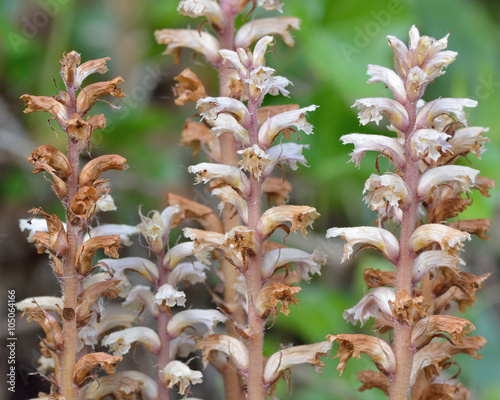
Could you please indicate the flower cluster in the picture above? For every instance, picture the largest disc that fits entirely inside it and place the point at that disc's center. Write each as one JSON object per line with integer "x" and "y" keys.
{"x": 66, "y": 360}
{"x": 422, "y": 191}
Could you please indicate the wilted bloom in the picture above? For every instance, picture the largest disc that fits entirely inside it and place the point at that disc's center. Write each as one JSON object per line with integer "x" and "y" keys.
{"x": 385, "y": 190}
{"x": 433, "y": 259}
{"x": 231, "y": 175}
{"x": 270, "y": 5}
{"x": 428, "y": 328}
{"x": 379, "y": 238}
{"x": 255, "y": 160}
{"x": 274, "y": 293}
{"x": 228, "y": 345}
{"x": 123, "y": 384}
{"x": 178, "y": 373}
{"x": 300, "y": 217}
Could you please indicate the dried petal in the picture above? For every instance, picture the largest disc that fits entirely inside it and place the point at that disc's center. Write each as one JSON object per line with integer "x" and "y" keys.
{"x": 300, "y": 218}
{"x": 94, "y": 168}
{"x": 354, "y": 345}
{"x": 303, "y": 262}
{"x": 425, "y": 143}
{"x": 207, "y": 8}
{"x": 123, "y": 384}
{"x": 429, "y": 327}
{"x": 407, "y": 309}
{"x": 432, "y": 259}
{"x": 85, "y": 365}
{"x": 47, "y": 104}
{"x": 271, "y": 295}
{"x": 371, "y": 379}
{"x": 254, "y": 160}
{"x": 89, "y": 94}
{"x": 87, "y": 250}
{"x": 228, "y": 345}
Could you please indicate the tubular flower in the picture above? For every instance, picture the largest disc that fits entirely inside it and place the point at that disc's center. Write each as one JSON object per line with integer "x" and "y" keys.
{"x": 379, "y": 238}
{"x": 300, "y": 217}
{"x": 451, "y": 240}
{"x": 119, "y": 342}
{"x": 448, "y": 106}
{"x": 205, "y": 172}
{"x": 201, "y": 42}
{"x": 371, "y": 109}
{"x": 198, "y": 8}
{"x": 284, "y": 359}
{"x": 189, "y": 318}
{"x": 373, "y": 304}
{"x": 432, "y": 259}
{"x": 429, "y": 327}
{"x": 464, "y": 177}
{"x": 390, "y": 79}
{"x": 387, "y": 146}
{"x": 425, "y": 142}
{"x": 122, "y": 384}
{"x": 140, "y": 296}
{"x": 178, "y": 373}
{"x": 303, "y": 262}
{"x": 228, "y": 345}
{"x": 385, "y": 190}
{"x": 254, "y": 30}
{"x": 211, "y": 107}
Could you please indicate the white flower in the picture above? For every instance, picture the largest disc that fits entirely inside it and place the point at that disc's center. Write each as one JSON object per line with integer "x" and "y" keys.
{"x": 379, "y": 238}
{"x": 425, "y": 142}
{"x": 383, "y": 190}
{"x": 190, "y": 318}
{"x": 201, "y": 42}
{"x": 451, "y": 240}
{"x": 288, "y": 119}
{"x": 254, "y": 160}
{"x": 303, "y": 262}
{"x": 105, "y": 203}
{"x": 120, "y": 382}
{"x": 156, "y": 228}
{"x": 190, "y": 271}
{"x": 432, "y": 259}
{"x": 142, "y": 266}
{"x": 432, "y": 109}
{"x": 387, "y": 146}
{"x": 390, "y": 79}
{"x": 177, "y": 373}
{"x": 257, "y": 28}
{"x": 139, "y": 297}
{"x": 371, "y": 305}
{"x": 464, "y": 177}
{"x": 230, "y": 196}
{"x": 469, "y": 139}
{"x": 211, "y": 107}
{"x": 270, "y": 5}
{"x": 168, "y": 296}
{"x": 372, "y": 108}
{"x": 226, "y": 123}
{"x": 205, "y": 172}
{"x": 119, "y": 342}
{"x": 197, "y": 8}
{"x": 290, "y": 153}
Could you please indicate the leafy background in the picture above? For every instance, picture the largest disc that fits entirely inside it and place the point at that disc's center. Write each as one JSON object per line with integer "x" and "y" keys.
{"x": 328, "y": 68}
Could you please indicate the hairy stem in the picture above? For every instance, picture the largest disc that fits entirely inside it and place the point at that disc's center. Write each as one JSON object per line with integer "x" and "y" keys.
{"x": 70, "y": 279}
{"x": 400, "y": 384}
{"x": 163, "y": 318}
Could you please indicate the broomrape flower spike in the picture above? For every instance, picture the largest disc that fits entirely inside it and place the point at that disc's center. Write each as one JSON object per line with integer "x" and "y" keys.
{"x": 420, "y": 192}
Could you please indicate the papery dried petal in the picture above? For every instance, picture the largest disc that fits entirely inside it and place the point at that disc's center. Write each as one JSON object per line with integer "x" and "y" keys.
{"x": 188, "y": 88}
{"x": 119, "y": 342}
{"x": 88, "y": 297}
{"x": 479, "y": 227}
{"x": 354, "y": 345}
{"x": 432, "y": 109}
{"x": 228, "y": 345}
{"x": 122, "y": 384}
{"x": 254, "y": 160}
{"x": 300, "y": 217}
{"x": 190, "y": 209}
{"x": 371, "y": 379}
{"x": 89, "y": 94}
{"x": 284, "y": 359}
{"x": 451, "y": 240}
{"x": 87, "y": 250}
{"x": 178, "y": 373}
{"x": 379, "y": 238}
{"x": 484, "y": 185}
{"x": 387, "y": 146}
{"x": 88, "y": 362}
{"x": 191, "y": 318}
{"x": 376, "y": 278}
{"x": 429, "y": 327}
{"x": 256, "y": 29}
{"x": 47, "y": 104}
{"x": 48, "y": 158}
{"x": 373, "y": 304}
{"x": 97, "y": 66}
{"x": 371, "y": 109}
{"x": 94, "y": 168}
{"x": 277, "y": 190}
{"x": 201, "y": 42}
{"x": 407, "y": 309}
{"x": 444, "y": 391}
{"x": 464, "y": 177}
{"x": 211, "y": 107}
{"x": 271, "y": 295}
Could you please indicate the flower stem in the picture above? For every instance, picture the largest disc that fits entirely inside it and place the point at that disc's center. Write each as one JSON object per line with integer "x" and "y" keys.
{"x": 400, "y": 383}
{"x": 70, "y": 279}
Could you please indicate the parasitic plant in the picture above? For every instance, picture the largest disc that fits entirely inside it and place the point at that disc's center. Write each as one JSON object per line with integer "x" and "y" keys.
{"x": 418, "y": 198}
{"x": 67, "y": 361}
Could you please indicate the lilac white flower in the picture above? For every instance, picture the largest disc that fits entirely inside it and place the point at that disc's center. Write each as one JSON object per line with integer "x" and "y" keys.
{"x": 372, "y": 108}
{"x": 432, "y": 109}
{"x": 425, "y": 142}
{"x": 119, "y": 342}
{"x": 190, "y": 318}
{"x": 464, "y": 177}
{"x": 372, "y": 304}
{"x": 304, "y": 263}
{"x": 178, "y": 373}
{"x": 168, "y": 296}
{"x": 254, "y": 30}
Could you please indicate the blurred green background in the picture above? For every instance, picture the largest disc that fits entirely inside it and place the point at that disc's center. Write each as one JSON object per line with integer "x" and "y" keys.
{"x": 327, "y": 67}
